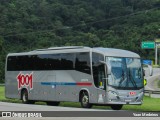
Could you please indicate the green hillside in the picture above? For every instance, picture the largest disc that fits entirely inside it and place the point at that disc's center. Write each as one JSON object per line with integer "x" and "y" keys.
{"x": 30, "y": 24}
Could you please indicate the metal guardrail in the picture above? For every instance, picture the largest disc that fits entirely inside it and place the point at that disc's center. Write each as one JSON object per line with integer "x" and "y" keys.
{"x": 153, "y": 94}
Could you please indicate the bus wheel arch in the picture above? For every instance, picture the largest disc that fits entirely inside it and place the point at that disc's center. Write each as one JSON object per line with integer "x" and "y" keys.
{"x": 84, "y": 99}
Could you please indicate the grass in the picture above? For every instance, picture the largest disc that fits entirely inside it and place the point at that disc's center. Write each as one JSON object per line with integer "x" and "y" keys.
{"x": 155, "y": 66}
{"x": 2, "y": 97}
{"x": 149, "y": 104}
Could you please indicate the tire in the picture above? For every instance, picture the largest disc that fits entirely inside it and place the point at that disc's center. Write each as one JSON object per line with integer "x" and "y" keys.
{"x": 25, "y": 98}
{"x": 53, "y": 103}
{"x": 116, "y": 107}
{"x": 84, "y": 99}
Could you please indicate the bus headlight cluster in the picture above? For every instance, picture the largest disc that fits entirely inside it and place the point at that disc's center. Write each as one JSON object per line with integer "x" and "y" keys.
{"x": 112, "y": 95}
{"x": 140, "y": 96}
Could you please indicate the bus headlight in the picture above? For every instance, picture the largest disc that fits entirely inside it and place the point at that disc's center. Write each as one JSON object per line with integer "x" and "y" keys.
{"x": 113, "y": 95}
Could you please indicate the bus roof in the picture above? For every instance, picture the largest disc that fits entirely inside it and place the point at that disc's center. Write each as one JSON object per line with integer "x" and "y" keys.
{"x": 70, "y": 49}
{"x": 116, "y": 52}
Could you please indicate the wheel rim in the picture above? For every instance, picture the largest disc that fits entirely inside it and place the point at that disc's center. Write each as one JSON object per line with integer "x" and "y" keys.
{"x": 85, "y": 100}
{"x": 24, "y": 97}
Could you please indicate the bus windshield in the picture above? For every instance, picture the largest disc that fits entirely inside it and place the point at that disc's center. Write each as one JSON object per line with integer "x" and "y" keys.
{"x": 126, "y": 73}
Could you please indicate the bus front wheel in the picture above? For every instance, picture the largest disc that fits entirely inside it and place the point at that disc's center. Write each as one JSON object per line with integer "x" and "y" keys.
{"x": 84, "y": 99}
{"x": 116, "y": 107}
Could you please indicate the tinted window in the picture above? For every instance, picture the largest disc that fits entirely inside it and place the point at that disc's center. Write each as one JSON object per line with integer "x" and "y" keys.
{"x": 40, "y": 62}
{"x": 11, "y": 63}
{"x": 54, "y": 62}
{"x": 68, "y": 61}
{"x": 65, "y": 61}
{"x": 83, "y": 62}
{"x": 18, "y": 63}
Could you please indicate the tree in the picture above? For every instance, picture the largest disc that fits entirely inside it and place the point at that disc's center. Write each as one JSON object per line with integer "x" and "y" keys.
{"x": 32, "y": 24}
{"x": 1, "y": 43}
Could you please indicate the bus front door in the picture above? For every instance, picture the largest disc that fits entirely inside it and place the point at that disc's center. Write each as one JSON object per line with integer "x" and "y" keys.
{"x": 101, "y": 92}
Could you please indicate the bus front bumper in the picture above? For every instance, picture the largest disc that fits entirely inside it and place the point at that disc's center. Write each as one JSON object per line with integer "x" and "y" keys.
{"x": 132, "y": 100}
{"x": 125, "y": 103}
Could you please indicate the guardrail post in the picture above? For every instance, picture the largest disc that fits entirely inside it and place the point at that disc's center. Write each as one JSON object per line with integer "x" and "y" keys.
{"x": 150, "y": 92}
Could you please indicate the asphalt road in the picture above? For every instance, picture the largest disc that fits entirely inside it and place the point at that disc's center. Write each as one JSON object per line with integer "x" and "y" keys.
{"x": 20, "y": 108}
{"x": 36, "y": 108}
{"x": 151, "y": 83}
{"x": 151, "y": 79}
{"x": 4, "y": 106}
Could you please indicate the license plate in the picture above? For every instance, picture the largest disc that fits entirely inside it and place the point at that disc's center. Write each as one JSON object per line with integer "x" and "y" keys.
{"x": 128, "y": 100}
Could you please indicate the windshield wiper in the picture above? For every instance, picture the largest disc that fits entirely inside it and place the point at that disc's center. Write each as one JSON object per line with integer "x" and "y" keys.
{"x": 132, "y": 79}
{"x": 122, "y": 78}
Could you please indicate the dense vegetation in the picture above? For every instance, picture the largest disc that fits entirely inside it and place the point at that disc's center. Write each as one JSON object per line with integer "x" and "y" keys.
{"x": 30, "y": 24}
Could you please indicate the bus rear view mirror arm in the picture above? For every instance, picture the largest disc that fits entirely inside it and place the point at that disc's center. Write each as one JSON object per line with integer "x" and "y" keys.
{"x": 103, "y": 62}
{"x": 107, "y": 66}
{"x": 150, "y": 70}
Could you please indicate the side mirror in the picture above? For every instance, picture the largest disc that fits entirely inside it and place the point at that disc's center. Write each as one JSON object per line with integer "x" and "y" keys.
{"x": 108, "y": 69}
{"x": 145, "y": 82}
{"x": 107, "y": 66}
{"x": 150, "y": 70}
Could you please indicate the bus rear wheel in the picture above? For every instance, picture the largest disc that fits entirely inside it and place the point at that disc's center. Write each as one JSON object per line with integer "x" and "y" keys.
{"x": 24, "y": 98}
{"x": 84, "y": 99}
{"x": 116, "y": 107}
{"x": 53, "y": 103}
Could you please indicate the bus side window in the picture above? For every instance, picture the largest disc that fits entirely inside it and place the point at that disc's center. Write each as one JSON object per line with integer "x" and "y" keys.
{"x": 82, "y": 62}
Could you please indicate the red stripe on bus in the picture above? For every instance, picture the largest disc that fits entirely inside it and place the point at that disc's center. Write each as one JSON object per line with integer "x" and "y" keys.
{"x": 83, "y": 84}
